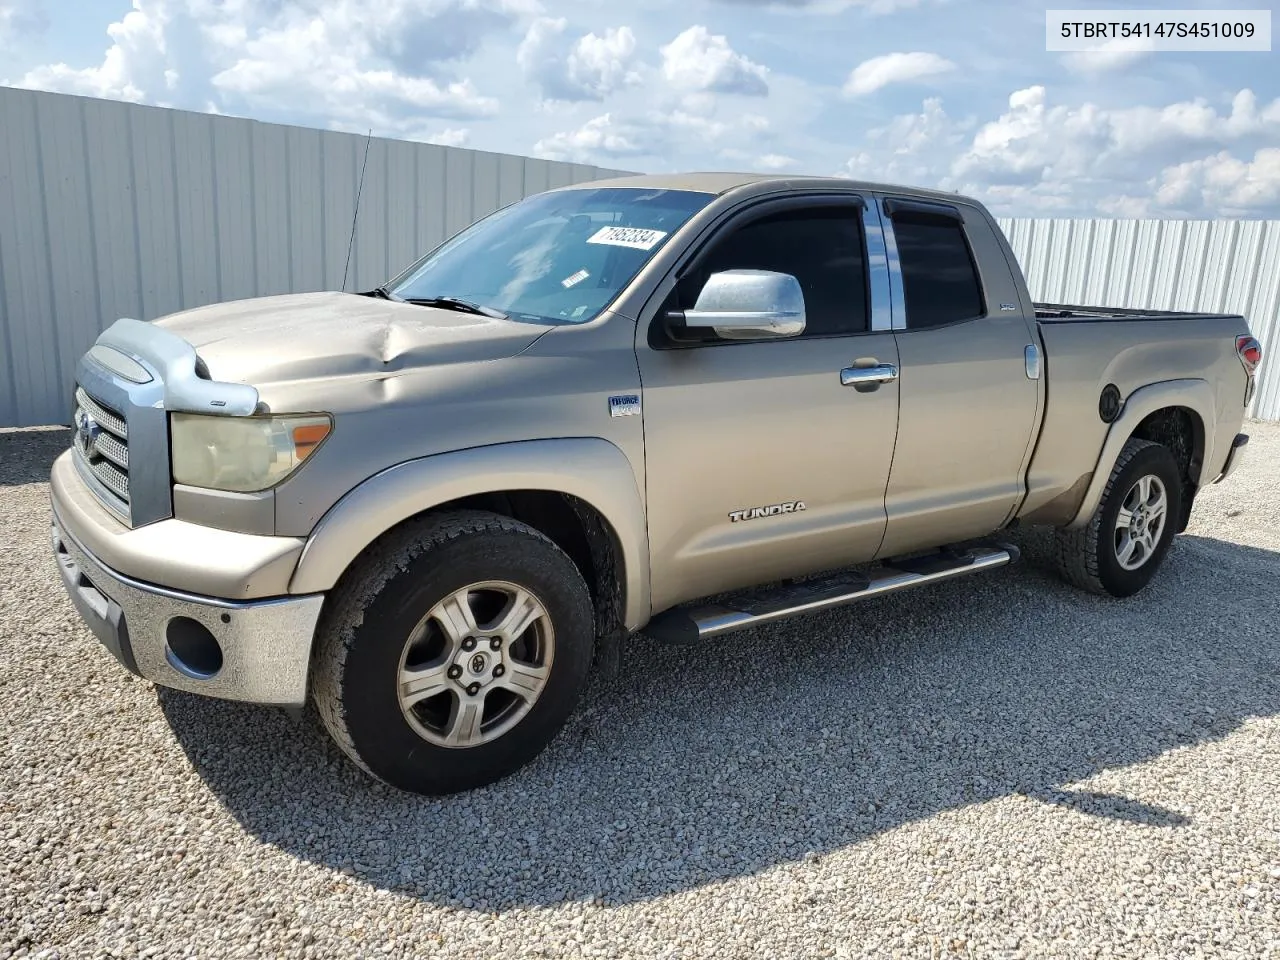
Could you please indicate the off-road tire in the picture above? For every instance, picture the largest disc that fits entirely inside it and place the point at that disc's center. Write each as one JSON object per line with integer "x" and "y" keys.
{"x": 371, "y": 613}
{"x": 1086, "y": 557}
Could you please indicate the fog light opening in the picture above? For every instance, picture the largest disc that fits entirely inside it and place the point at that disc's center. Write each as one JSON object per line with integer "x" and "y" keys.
{"x": 191, "y": 649}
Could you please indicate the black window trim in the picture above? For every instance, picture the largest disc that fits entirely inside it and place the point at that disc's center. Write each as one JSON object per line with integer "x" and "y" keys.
{"x": 932, "y": 210}
{"x": 733, "y": 219}
{"x": 896, "y": 207}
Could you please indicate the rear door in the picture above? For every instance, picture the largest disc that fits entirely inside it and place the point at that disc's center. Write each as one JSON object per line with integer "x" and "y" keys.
{"x": 968, "y": 399}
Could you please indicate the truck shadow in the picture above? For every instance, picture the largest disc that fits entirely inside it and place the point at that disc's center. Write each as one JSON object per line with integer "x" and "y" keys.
{"x": 695, "y": 765}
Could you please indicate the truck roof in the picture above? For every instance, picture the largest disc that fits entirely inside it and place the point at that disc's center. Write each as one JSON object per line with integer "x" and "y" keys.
{"x": 722, "y": 182}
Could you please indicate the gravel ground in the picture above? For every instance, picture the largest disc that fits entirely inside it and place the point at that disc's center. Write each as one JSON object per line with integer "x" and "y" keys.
{"x": 998, "y": 767}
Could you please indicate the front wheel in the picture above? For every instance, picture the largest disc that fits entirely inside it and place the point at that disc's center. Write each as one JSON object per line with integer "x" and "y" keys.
{"x": 1119, "y": 550}
{"x": 454, "y": 653}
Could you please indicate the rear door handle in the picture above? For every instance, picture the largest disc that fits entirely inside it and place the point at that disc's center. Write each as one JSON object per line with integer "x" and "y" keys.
{"x": 865, "y": 376}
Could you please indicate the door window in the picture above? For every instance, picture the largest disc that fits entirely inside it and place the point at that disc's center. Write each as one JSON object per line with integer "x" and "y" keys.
{"x": 822, "y": 247}
{"x": 938, "y": 277}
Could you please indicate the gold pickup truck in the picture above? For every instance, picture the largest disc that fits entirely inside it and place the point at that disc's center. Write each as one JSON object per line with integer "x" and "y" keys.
{"x": 683, "y": 405}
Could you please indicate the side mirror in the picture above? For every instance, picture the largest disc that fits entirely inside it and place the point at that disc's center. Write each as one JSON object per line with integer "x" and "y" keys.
{"x": 749, "y": 305}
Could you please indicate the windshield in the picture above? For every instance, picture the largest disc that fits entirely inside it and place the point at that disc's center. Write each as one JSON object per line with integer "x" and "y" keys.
{"x": 556, "y": 257}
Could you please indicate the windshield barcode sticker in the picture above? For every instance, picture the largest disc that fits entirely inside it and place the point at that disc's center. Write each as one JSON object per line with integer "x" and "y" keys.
{"x": 638, "y": 238}
{"x": 574, "y": 280}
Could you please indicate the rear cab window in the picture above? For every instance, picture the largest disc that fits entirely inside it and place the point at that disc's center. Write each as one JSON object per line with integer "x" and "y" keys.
{"x": 939, "y": 276}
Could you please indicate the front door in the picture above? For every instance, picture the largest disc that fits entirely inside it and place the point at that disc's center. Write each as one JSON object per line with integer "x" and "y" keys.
{"x": 762, "y": 460}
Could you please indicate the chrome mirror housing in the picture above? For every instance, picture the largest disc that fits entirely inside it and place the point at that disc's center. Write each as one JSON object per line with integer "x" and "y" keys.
{"x": 749, "y": 305}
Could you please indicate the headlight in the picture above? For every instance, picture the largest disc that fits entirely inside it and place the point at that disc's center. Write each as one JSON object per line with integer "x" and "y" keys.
{"x": 242, "y": 454}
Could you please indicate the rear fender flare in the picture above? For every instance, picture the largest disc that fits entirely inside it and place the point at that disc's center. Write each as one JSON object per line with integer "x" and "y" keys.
{"x": 1194, "y": 394}
{"x": 591, "y": 469}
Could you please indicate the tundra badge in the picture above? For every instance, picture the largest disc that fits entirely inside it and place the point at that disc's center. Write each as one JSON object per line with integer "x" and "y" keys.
{"x": 773, "y": 510}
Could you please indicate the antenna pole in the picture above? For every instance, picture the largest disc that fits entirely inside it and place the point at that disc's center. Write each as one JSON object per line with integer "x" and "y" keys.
{"x": 356, "y": 213}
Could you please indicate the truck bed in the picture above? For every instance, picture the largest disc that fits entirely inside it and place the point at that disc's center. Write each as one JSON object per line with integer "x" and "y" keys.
{"x": 1071, "y": 313}
{"x": 1084, "y": 353}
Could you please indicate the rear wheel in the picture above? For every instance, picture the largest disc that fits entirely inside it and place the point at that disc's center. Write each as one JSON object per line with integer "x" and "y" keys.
{"x": 1119, "y": 550}
{"x": 454, "y": 653}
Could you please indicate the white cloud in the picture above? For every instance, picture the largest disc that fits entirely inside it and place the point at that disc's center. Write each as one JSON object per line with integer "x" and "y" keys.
{"x": 699, "y": 61}
{"x": 666, "y": 133}
{"x": 349, "y": 61}
{"x": 455, "y": 137}
{"x": 19, "y": 18}
{"x": 1113, "y": 56}
{"x": 422, "y": 36}
{"x": 828, "y": 7}
{"x": 1222, "y": 183}
{"x": 603, "y": 63}
{"x": 776, "y": 161}
{"x": 708, "y": 129}
{"x": 135, "y": 62}
{"x": 878, "y": 72}
{"x": 336, "y": 61}
{"x": 590, "y": 68}
{"x": 1086, "y": 159}
{"x": 1169, "y": 142}
{"x": 1194, "y": 121}
{"x": 1033, "y": 141}
{"x": 308, "y": 65}
{"x": 602, "y": 136}
{"x": 914, "y": 148}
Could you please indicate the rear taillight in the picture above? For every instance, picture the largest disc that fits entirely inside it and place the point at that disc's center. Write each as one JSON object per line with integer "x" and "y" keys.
{"x": 1250, "y": 351}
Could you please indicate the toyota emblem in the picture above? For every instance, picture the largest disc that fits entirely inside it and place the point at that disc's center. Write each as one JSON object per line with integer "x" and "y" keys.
{"x": 87, "y": 431}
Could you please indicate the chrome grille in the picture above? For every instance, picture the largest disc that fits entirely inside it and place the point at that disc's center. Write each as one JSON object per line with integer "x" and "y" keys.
{"x": 114, "y": 450}
{"x": 101, "y": 442}
{"x": 108, "y": 418}
{"x": 113, "y": 478}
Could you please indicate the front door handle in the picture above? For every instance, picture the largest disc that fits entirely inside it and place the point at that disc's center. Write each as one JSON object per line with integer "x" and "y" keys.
{"x": 868, "y": 376}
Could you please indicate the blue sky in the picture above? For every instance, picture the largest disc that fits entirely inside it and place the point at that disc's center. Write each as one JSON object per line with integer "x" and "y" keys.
{"x": 929, "y": 92}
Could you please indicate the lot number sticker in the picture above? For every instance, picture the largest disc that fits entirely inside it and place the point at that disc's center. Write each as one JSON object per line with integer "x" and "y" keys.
{"x": 638, "y": 238}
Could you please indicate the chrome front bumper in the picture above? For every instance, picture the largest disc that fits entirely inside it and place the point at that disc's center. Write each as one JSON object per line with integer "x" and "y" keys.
{"x": 256, "y": 651}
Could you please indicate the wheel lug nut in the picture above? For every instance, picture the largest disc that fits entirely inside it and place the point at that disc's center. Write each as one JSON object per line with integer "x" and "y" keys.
{"x": 495, "y": 643}
{"x": 473, "y": 689}
{"x": 455, "y": 672}
{"x": 499, "y": 670}
{"x": 469, "y": 643}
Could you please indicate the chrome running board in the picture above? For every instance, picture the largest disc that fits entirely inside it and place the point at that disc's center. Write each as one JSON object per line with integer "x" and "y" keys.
{"x": 684, "y": 625}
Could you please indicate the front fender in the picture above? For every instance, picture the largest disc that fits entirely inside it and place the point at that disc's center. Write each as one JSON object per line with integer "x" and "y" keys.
{"x": 593, "y": 470}
{"x": 1195, "y": 395}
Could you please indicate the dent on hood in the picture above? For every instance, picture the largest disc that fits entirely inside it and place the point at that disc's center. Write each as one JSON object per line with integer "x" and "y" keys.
{"x": 393, "y": 343}
{"x": 325, "y": 335}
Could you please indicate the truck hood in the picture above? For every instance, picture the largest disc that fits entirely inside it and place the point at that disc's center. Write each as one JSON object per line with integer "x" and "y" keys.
{"x": 311, "y": 335}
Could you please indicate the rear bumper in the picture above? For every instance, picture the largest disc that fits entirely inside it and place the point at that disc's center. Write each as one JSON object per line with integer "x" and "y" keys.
{"x": 1234, "y": 457}
{"x": 256, "y": 651}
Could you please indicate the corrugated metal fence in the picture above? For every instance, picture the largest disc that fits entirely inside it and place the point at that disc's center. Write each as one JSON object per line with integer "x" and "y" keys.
{"x": 1218, "y": 266}
{"x": 115, "y": 210}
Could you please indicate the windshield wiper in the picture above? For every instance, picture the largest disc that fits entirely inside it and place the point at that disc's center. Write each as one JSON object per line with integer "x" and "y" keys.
{"x": 457, "y": 303}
